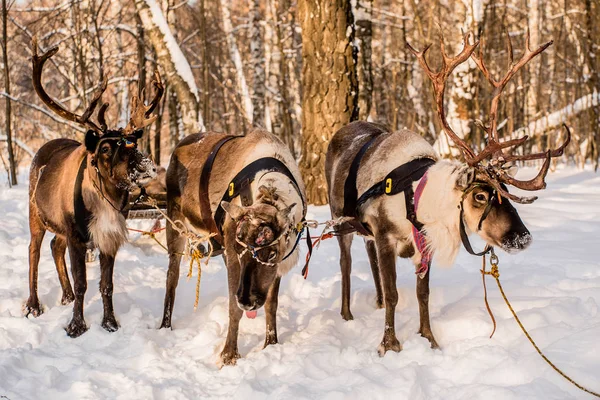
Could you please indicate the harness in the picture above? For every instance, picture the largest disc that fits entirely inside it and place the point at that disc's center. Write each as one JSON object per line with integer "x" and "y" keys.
{"x": 240, "y": 186}
{"x": 399, "y": 180}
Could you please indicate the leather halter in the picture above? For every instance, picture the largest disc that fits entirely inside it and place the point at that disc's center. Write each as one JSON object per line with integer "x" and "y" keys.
{"x": 463, "y": 232}
{"x": 239, "y": 186}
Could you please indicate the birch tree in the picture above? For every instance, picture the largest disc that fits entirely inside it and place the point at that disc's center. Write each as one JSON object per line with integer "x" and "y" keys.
{"x": 329, "y": 84}
{"x": 7, "y": 100}
{"x": 362, "y": 11}
{"x": 172, "y": 61}
{"x": 236, "y": 58}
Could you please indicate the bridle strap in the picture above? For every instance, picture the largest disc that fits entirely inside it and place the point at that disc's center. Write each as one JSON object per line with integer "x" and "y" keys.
{"x": 463, "y": 232}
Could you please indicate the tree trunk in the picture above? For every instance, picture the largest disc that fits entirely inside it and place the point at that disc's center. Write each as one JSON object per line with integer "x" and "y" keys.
{"x": 205, "y": 72}
{"x": 592, "y": 11}
{"x": 236, "y": 58}
{"x": 172, "y": 62}
{"x": 363, "y": 16}
{"x": 11, "y": 154}
{"x": 257, "y": 63}
{"x": 329, "y": 83}
{"x": 281, "y": 123}
{"x": 141, "y": 58}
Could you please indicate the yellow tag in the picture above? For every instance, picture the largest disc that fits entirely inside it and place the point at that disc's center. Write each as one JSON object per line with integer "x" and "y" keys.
{"x": 388, "y": 185}
{"x": 231, "y": 189}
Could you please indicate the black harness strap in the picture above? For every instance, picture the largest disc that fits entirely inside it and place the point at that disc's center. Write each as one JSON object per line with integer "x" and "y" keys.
{"x": 398, "y": 181}
{"x": 241, "y": 183}
{"x": 350, "y": 189}
{"x": 205, "y": 210}
{"x": 81, "y": 214}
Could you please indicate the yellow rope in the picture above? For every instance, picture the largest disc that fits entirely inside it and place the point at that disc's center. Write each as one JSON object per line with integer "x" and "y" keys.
{"x": 192, "y": 244}
{"x": 496, "y": 274}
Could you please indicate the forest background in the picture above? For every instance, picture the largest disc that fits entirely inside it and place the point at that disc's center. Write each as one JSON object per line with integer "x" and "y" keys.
{"x": 301, "y": 69}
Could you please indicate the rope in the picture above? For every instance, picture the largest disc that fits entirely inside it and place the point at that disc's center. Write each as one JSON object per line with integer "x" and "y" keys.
{"x": 487, "y": 305}
{"x": 193, "y": 243}
{"x": 496, "y": 274}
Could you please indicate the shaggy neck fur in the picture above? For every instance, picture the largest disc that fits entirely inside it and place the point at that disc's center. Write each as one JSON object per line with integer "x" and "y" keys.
{"x": 107, "y": 226}
{"x": 438, "y": 210}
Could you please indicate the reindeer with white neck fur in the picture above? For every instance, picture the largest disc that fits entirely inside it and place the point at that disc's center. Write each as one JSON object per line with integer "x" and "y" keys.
{"x": 78, "y": 191}
{"x": 414, "y": 205}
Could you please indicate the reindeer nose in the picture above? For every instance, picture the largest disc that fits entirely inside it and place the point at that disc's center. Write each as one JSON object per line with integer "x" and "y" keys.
{"x": 517, "y": 240}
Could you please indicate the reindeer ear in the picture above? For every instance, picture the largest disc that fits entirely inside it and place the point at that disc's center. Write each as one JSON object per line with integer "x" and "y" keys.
{"x": 91, "y": 141}
{"x": 234, "y": 211}
{"x": 283, "y": 216}
{"x": 138, "y": 133}
{"x": 466, "y": 176}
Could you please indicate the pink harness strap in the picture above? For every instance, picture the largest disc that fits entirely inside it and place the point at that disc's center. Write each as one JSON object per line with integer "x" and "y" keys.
{"x": 418, "y": 236}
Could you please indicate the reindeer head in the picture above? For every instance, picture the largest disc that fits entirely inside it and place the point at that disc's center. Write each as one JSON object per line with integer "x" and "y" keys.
{"x": 262, "y": 238}
{"x": 485, "y": 206}
{"x": 113, "y": 153}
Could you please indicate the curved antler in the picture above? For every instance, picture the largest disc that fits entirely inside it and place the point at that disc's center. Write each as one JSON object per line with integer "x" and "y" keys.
{"x": 494, "y": 151}
{"x": 38, "y": 67}
{"x": 439, "y": 79}
{"x": 140, "y": 114}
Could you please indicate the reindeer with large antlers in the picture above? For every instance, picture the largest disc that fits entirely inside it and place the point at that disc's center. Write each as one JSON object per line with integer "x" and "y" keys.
{"x": 407, "y": 202}
{"x": 80, "y": 191}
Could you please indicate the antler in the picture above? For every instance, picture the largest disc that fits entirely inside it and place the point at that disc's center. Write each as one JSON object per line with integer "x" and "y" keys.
{"x": 439, "y": 83}
{"x": 84, "y": 119}
{"x": 494, "y": 174}
{"x": 140, "y": 114}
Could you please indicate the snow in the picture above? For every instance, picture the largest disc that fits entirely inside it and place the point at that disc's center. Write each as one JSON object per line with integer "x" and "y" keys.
{"x": 554, "y": 286}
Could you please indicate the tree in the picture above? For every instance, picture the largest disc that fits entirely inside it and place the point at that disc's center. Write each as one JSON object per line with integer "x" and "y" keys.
{"x": 11, "y": 154}
{"x": 363, "y": 15}
{"x": 173, "y": 62}
{"x": 257, "y": 64}
{"x": 329, "y": 84}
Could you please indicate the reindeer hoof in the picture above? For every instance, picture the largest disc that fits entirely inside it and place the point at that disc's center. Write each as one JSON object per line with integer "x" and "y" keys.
{"x": 33, "y": 308}
{"x": 110, "y": 324}
{"x": 270, "y": 340}
{"x": 389, "y": 344}
{"x": 432, "y": 341}
{"x": 67, "y": 298}
{"x": 228, "y": 358}
{"x": 76, "y": 328}
{"x": 347, "y": 315}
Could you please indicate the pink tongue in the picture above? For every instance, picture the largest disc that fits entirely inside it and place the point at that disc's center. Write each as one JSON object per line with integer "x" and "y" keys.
{"x": 251, "y": 314}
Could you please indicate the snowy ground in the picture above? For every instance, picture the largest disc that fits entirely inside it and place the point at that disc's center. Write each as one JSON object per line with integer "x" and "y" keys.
{"x": 554, "y": 286}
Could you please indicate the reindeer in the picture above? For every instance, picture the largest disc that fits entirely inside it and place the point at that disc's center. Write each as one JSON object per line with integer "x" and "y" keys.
{"x": 247, "y": 191}
{"x": 415, "y": 205}
{"x": 79, "y": 192}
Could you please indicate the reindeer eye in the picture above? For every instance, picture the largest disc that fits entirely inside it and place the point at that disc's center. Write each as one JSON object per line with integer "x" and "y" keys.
{"x": 482, "y": 198}
{"x": 105, "y": 149}
{"x": 272, "y": 255}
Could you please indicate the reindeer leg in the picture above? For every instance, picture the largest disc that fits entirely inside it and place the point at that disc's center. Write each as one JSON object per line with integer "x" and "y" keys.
{"x": 423, "y": 298}
{"x": 107, "y": 264}
{"x": 36, "y": 227}
{"x": 345, "y": 242}
{"x": 386, "y": 254}
{"x": 176, "y": 244}
{"x": 271, "y": 312}
{"x": 372, "y": 252}
{"x": 230, "y": 353}
{"x": 59, "y": 247}
{"x": 77, "y": 251}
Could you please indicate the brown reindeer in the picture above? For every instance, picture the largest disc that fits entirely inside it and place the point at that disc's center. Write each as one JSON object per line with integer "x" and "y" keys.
{"x": 79, "y": 191}
{"x": 414, "y": 205}
{"x": 248, "y": 191}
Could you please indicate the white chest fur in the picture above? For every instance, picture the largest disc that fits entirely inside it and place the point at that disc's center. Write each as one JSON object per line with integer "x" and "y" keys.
{"x": 107, "y": 228}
